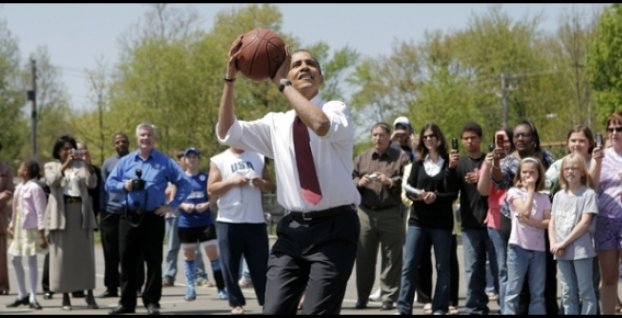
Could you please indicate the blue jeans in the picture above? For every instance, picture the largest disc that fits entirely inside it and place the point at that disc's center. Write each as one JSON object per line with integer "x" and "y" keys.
{"x": 475, "y": 244}
{"x": 576, "y": 282}
{"x": 531, "y": 265}
{"x": 500, "y": 243}
{"x": 172, "y": 251}
{"x": 413, "y": 251}
{"x": 492, "y": 284}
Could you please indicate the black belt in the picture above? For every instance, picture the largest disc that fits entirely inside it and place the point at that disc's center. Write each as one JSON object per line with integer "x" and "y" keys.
{"x": 312, "y": 215}
{"x": 377, "y": 208}
{"x": 70, "y": 199}
{"x": 139, "y": 212}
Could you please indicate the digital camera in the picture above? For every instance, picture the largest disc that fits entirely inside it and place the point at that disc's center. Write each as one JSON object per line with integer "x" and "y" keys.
{"x": 138, "y": 183}
{"x": 78, "y": 154}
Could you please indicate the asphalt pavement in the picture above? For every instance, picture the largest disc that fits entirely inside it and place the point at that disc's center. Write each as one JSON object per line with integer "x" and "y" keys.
{"x": 172, "y": 302}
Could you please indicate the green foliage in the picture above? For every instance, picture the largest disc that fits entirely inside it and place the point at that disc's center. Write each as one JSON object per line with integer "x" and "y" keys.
{"x": 170, "y": 73}
{"x": 605, "y": 62}
{"x": 14, "y": 132}
{"x": 468, "y": 74}
{"x": 174, "y": 79}
{"x": 54, "y": 113}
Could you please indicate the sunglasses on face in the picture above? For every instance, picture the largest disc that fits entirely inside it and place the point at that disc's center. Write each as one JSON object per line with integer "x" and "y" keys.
{"x": 616, "y": 129}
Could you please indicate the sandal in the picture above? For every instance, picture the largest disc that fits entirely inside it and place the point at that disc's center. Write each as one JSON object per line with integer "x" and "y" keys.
{"x": 453, "y": 310}
{"x": 238, "y": 310}
{"x": 427, "y": 309}
{"x": 619, "y": 308}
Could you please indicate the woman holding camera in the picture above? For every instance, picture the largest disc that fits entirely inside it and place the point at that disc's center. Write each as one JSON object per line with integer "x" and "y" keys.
{"x": 70, "y": 221}
{"x": 431, "y": 219}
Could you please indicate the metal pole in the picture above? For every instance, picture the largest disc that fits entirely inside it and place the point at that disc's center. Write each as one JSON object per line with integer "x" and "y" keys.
{"x": 32, "y": 95}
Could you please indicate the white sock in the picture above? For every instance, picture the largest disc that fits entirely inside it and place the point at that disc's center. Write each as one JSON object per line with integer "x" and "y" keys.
{"x": 19, "y": 273}
{"x": 32, "y": 271}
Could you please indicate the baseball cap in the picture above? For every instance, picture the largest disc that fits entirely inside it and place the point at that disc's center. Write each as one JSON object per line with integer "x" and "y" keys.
{"x": 403, "y": 122}
{"x": 190, "y": 150}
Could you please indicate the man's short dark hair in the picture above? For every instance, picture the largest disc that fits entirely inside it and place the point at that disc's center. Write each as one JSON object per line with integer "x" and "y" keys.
{"x": 472, "y": 127}
{"x": 319, "y": 68}
{"x": 122, "y": 134}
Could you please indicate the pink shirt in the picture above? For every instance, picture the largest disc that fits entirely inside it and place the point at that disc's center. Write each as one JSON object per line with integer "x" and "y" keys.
{"x": 31, "y": 197}
{"x": 495, "y": 200}
{"x": 523, "y": 235}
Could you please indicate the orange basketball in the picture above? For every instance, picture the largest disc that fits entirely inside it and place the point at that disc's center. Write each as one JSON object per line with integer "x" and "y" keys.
{"x": 261, "y": 54}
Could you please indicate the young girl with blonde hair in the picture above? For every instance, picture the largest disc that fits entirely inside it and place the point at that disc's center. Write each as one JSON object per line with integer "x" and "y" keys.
{"x": 526, "y": 259}
{"x": 571, "y": 233}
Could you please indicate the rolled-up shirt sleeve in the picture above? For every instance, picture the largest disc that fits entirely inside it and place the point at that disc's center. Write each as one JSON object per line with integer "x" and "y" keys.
{"x": 251, "y": 135}
{"x": 341, "y": 123}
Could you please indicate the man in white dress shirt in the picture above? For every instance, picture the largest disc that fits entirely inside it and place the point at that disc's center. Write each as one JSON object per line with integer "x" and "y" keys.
{"x": 317, "y": 240}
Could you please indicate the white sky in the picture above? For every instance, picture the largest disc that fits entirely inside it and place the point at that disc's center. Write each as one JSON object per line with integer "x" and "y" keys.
{"x": 76, "y": 35}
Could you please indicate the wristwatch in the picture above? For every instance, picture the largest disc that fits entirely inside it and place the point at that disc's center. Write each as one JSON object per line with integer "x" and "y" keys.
{"x": 284, "y": 83}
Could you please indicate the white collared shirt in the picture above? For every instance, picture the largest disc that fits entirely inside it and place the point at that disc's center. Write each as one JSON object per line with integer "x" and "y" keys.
{"x": 433, "y": 168}
{"x": 72, "y": 187}
{"x": 272, "y": 136}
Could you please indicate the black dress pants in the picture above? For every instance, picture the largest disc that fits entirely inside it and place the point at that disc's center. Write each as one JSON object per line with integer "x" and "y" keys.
{"x": 109, "y": 230}
{"x": 314, "y": 255}
{"x": 143, "y": 237}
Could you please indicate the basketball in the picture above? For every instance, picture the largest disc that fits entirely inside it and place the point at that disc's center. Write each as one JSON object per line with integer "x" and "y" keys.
{"x": 261, "y": 54}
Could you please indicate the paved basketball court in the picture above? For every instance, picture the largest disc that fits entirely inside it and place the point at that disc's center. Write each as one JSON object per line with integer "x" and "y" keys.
{"x": 173, "y": 303}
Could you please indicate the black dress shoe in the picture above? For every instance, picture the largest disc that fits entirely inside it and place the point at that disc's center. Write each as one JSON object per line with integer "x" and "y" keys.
{"x": 108, "y": 294}
{"x": 90, "y": 303}
{"x": 360, "y": 304}
{"x": 387, "y": 305}
{"x": 152, "y": 309}
{"x": 35, "y": 305}
{"x": 23, "y": 301}
{"x": 48, "y": 295}
{"x": 121, "y": 310}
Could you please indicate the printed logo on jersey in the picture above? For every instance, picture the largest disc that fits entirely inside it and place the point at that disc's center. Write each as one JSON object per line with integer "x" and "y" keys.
{"x": 241, "y": 165}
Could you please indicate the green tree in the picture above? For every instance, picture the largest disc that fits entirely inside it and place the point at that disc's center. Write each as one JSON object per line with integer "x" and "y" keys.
{"x": 496, "y": 70}
{"x": 14, "y": 132}
{"x": 574, "y": 34}
{"x": 173, "y": 78}
{"x": 605, "y": 62}
{"x": 54, "y": 112}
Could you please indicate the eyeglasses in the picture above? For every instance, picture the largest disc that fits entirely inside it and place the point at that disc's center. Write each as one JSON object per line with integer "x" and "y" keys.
{"x": 616, "y": 129}
{"x": 521, "y": 135}
{"x": 428, "y": 137}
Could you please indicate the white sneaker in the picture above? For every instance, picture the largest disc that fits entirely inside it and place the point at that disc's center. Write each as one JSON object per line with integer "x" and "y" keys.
{"x": 223, "y": 295}
{"x": 376, "y": 296}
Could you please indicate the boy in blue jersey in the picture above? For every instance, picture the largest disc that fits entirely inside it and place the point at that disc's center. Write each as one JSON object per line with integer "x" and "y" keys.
{"x": 196, "y": 225}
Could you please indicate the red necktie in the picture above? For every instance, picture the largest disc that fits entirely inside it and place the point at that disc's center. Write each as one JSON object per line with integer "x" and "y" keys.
{"x": 309, "y": 184}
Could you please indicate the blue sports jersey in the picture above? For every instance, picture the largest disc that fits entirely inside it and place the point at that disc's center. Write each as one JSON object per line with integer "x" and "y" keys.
{"x": 198, "y": 194}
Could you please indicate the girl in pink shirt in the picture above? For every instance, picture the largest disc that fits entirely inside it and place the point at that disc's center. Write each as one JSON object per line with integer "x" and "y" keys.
{"x": 28, "y": 230}
{"x": 531, "y": 211}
